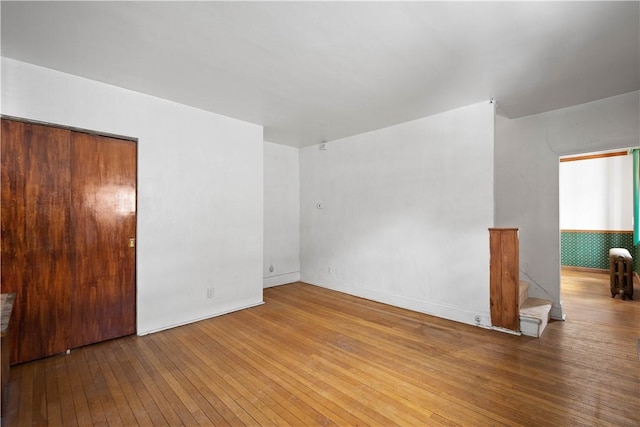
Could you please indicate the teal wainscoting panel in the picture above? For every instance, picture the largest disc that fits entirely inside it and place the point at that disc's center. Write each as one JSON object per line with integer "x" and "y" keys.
{"x": 590, "y": 249}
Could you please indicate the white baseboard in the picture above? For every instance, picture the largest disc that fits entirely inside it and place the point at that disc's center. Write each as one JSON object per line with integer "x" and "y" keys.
{"x": 506, "y": 331}
{"x": 557, "y": 312}
{"x": 280, "y": 279}
{"x": 444, "y": 311}
{"x": 198, "y": 319}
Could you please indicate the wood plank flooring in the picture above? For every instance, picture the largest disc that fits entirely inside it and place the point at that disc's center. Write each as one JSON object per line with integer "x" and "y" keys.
{"x": 311, "y": 356}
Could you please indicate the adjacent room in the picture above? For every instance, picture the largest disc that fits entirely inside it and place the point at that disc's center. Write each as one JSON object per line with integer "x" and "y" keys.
{"x": 319, "y": 213}
{"x": 597, "y": 209}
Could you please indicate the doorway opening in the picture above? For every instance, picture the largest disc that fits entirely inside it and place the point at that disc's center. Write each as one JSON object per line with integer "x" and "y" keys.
{"x": 596, "y": 211}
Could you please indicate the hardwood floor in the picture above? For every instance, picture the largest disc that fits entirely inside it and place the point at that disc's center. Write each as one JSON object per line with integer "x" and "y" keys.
{"x": 311, "y": 356}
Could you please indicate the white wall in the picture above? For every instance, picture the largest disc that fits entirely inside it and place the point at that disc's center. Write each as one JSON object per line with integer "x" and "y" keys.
{"x": 281, "y": 214}
{"x": 405, "y": 213}
{"x": 200, "y": 189}
{"x": 527, "y": 182}
{"x": 597, "y": 194}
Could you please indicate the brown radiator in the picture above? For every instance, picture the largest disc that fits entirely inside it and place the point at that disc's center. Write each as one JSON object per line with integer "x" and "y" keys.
{"x": 621, "y": 273}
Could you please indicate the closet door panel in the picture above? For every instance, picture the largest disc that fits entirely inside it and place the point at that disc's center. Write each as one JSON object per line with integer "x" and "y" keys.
{"x": 103, "y": 188}
{"x": 35, "y": 236}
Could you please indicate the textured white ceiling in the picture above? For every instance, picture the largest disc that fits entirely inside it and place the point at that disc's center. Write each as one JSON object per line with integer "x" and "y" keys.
{"x": 314, "y": 71}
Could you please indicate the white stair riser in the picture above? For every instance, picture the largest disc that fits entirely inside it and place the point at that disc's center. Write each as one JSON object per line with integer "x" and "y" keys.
{"x": 532, "y": 327}
{"x": 534, "y": 313}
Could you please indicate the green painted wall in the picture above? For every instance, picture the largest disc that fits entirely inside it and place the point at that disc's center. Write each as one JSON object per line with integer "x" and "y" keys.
{"x": 591, "y": 248}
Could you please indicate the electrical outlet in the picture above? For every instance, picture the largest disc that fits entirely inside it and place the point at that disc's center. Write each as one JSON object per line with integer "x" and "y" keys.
{"x": 210, "y": 292}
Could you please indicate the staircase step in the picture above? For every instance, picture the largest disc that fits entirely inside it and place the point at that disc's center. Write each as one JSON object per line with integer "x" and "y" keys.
{"x": 534, "y": 316}
{"x": 523, "y": 292}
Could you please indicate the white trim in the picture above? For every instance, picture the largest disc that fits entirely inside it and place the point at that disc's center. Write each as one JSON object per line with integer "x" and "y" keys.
{"x": 281, "y": 279}
{"x": 506, "y": 331}
{"x": 557, "y": 312}
{"x": 443, "y": 311}
{"x": 175, "y": 325}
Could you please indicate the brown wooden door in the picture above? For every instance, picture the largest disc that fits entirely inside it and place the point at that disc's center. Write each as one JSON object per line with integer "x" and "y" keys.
{"x": 103, "y": 218}
{"x": 68, "y": 212}
{"x": 504, "y": 278}
{"x": 36, "y": 262}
